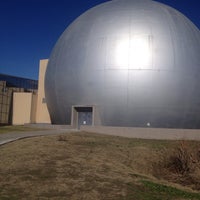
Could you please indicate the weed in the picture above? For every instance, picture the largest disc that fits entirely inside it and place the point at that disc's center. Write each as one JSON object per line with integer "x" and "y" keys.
{"x": 181, "y": 159}
{"x": 62, "y": 138}
{"x": 180, "y": 165}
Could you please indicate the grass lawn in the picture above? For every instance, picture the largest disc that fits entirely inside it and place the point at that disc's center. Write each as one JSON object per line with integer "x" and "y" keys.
{"x": 92, "y": 166}
{"x": 6, "y": 129}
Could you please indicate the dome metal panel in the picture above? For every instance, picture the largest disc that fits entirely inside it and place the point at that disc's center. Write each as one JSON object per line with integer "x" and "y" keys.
{"x": 138, "y": 61}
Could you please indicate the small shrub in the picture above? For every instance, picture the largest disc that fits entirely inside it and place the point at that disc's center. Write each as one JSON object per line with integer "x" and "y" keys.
{"x": 180, "y": 165}
{"x": 62, "y": 138}
{"x": 181, "y": 159}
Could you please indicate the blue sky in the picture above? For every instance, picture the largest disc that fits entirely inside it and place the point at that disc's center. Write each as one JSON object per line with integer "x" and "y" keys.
{"x": 30, "y": 28}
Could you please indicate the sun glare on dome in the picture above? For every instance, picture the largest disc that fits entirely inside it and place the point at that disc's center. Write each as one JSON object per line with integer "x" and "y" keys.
{"x": 139, "y": 54}
{"x": 122, "y": 53}
{"x": 134, "y": 52}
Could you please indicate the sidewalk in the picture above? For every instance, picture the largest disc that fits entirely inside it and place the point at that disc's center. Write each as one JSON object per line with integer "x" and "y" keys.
{"x": 13, "y": 136}
{"x": 146, "y": 133}
{"x": 142, "y": 133}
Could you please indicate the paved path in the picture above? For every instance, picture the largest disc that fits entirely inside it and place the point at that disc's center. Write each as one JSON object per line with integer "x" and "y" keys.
{"x": 13, "y": 136}
{"x": 145, "y": 133}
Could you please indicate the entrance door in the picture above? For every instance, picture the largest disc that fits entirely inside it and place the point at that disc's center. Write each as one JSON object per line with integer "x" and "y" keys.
{"x": 84, "y": 116}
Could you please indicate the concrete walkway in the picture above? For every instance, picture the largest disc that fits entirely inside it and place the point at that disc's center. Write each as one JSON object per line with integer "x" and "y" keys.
{"x": 13, "y": 136}
{"x": 142, "y": 133}
{"x": 146, "y": 133}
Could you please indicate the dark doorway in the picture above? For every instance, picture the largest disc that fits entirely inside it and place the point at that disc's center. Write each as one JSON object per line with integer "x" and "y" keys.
{"x": 84, "y": 115}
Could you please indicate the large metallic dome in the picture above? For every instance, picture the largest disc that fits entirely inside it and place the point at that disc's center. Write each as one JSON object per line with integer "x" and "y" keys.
{"x": 136, "y": 61}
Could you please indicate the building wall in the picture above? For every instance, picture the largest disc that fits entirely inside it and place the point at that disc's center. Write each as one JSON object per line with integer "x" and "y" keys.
{"x": 19, "y": 106}
{"x": 34, "y": 107}
{"x": 22, "y": 108}
{"x": 42, "y": 114}
{"x": 6, "y": 102}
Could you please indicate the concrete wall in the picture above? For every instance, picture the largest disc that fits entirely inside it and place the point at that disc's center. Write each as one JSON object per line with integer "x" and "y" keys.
{"x": 6, "y": 102}
{"x": 21, "y": 108}
{"x": 146, "y": 133}
{"x": 34, "y": 107}
{"x": 42, "y": 114}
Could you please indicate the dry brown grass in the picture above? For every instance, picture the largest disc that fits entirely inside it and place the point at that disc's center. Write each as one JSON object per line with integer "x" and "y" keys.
{"x": 181, "y": 164}
{"x": 80, "y": 166}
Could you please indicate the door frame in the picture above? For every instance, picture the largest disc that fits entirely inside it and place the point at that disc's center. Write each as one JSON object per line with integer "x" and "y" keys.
{"x": 75, "y": 114}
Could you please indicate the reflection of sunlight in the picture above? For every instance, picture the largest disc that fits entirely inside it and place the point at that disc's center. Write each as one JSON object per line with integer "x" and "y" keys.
{"x": 139, "y": 54}
{"x": 134, "y": 52}
{"x": 122, "y": 53}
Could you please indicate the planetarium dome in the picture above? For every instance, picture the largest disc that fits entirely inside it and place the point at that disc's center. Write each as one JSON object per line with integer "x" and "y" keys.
{"x": 135, "y": 62}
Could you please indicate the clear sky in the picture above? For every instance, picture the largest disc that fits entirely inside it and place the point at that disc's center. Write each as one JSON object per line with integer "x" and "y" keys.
{"x": 30, "y": 28}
